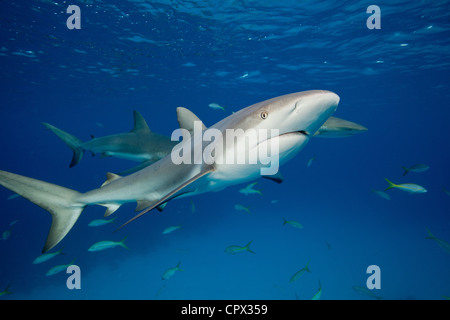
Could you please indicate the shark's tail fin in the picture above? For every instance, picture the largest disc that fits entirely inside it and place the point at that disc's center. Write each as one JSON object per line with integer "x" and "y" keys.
{"x": 73, "y": 142}
{"x": 59, "y": 201}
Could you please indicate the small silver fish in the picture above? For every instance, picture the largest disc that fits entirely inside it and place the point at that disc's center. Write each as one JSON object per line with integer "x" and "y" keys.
{"x": 442, "y": 243}
{"x": 416, "y": 168}
{"x": 240, "y": 207}
{"x": 299, "y": 273}
{"x": 233, "y": 249}
{"x": 58, "y": 268}
{"x": 216, "y": 106}
{"x": 310, "y": 161}
{"x": 14, "y": 196}
{"x": 249, "y": 189}
{"x": 382, "y": 194}
{"x": 171, "y": 271}
{"x": 171, "y": 229}
{"x": 292, "y": 223}
{"x": 46, "y": 256}
{"x": 103, "y": 245}
{"x": 318, "y": 293}
{"x": 100, "y": 222}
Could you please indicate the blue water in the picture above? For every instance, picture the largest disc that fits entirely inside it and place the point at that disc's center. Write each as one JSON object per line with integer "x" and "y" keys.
{"x": 154, "y": 56}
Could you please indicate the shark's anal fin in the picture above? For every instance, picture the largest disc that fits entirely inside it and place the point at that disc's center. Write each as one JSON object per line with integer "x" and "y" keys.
{"x": 205, "y": 171}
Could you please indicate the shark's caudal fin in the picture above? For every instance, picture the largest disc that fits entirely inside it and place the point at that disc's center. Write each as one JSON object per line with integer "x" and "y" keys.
{"x": 59, "y": 201}
{"x": 73, "y": 142}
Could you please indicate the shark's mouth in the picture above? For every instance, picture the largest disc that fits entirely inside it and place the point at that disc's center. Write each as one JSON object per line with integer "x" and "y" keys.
{"x": 303, "y": 132}
{"x": 306, "y": 133}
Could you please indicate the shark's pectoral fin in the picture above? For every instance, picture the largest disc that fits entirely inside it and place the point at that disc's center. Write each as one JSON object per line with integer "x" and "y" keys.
{"x": 278, "y": 177}
{"x": 206, "y": 170}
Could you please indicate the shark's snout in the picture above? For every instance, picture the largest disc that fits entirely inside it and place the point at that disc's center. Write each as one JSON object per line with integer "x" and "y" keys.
{"x": 330, "y": 99}
{"x": 314, "y": 108}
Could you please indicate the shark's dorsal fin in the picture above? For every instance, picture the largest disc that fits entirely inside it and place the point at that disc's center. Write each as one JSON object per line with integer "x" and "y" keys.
{"x": 110, "y": 177}
{"x": 154, "y": 204}
{"x": 186, "y": 119}
{"x": 140, "y": 125}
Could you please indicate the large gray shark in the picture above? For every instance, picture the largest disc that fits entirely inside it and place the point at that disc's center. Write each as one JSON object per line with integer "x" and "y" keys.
{"x": 291, "y": 119}
{"x": 140, "y": 144}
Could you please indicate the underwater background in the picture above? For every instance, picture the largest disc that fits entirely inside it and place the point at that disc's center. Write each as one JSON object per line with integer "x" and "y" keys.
{"x": 154, "y": 56}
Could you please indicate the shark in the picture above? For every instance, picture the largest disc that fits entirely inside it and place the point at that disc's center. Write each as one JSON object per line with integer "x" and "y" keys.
{"x": 339, "y": 128}
{"x": 147, "y": 147}
{"x": 292, "y": 119}
{"x": 140, "y": 144}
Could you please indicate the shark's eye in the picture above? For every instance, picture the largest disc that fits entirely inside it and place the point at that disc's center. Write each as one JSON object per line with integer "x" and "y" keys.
{"x": 264, "y": 115}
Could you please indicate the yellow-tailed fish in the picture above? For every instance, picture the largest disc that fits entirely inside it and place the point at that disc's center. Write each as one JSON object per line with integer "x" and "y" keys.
{"x": 407, "y": 187}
